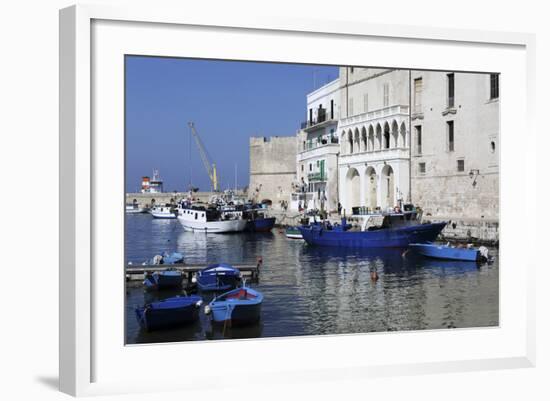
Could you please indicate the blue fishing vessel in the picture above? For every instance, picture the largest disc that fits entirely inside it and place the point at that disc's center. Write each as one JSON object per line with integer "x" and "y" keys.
{"x": 396, "y": 229}
{"x": 161, "y": 280}
{"x": 170, "y": 312}
{"x": 257, "y": 219}
{"x": 218, "y": 277}
{"x": 242, "y": 305}
{"x": 440, "y": 251}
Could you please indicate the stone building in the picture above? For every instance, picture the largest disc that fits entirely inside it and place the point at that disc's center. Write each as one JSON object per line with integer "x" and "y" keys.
{"x": 317, "y": 160}
{"x": 430, "y": 137}
{"x": 374, "y": 138}
{"x": 272, "y": 169}
{"x": 454, "y": 162}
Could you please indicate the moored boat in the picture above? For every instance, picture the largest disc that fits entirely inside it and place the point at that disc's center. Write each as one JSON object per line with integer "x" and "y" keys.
{"x": 242, "y": 305}
{"x": 165, "y": 259}
{"x": 134, "y": 208}
{"x": 218, "y": 277}
{"x": 170, "y": 312}
{"x": 293, "y": 232}
{"x": 440, "y": 251}
{"x": 210, "y": 219}
{"x": 164, "y": 212}
{"x": 161, "y": 280}
{"x": 380, "y": 230}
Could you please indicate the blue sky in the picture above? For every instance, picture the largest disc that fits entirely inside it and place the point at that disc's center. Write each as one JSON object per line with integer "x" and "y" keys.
{"x": 228, "y": 101}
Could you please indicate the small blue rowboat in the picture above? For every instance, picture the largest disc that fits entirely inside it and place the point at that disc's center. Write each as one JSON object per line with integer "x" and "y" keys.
{"x": 218, "y": 277}
{"x": 439, "y": 251}
{"x": 161, "y": 280}
{"x": 170, "y": 312}
{"x": 240, "y": 306}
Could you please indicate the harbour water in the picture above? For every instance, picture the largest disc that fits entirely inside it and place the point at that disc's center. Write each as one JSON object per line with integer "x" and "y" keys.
{"x": 314, "y": 291}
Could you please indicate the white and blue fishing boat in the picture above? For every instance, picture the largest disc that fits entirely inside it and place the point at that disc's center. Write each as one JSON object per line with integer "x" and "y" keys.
{"x": 218, "y": 277}
{"x": 393, "y": 229}
{"x": 164, "y": 212}
{"x": 240, "y": 306}
{"x": 168, "y": 313}
{"x": 161, "y": 280}
{"x": 210, "y": 219}
{"x": 441, "y": 251}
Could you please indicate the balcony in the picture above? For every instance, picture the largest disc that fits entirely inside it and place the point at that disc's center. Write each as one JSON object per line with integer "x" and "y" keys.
{"x": 317, "y": 177}
{"x": 324, "y": 118}
{"x": 396, "y": 110}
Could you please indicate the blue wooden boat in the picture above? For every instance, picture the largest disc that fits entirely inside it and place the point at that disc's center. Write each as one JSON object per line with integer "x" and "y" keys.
{"x": 161, "y": 280}
{"x": 165, "y": 259}
{"x": 257, "y": 219}
{"x": 440, "y": 251}
{"x": 242, "y": 305}
{"x": 218, "y": 277}
{"x": 260, "y": 224}
{"x": 388, "y": 230}
{"x": 170, "y": 312}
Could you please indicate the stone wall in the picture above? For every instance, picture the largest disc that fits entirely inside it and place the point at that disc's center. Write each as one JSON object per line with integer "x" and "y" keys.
{"x": 272, "y": 168}
{"x": 145, "y": 199}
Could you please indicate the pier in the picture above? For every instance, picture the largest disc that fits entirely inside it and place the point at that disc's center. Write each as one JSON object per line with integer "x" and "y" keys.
{"x": 138, "y": 272}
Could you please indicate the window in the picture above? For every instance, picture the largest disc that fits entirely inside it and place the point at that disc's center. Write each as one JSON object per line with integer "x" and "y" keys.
{"x": 351, "y": 69}
{"x": 460, "y": 165}
{"x": 196, "y": 215}
{"x": 351, "y": 107}
{"x": 366, "y": 102}
{"x": 302, "y": 167}
{"x": 493, "y": 146}
{"x": 332, "y": 109}
{"x": 386, "y": 95}
{"x": 422, "y": 168}
{"x": 418, "y": 130}
{"x": 310, "y": 116}
{"x": 304, "y": 145}
{"x": 494, "y": 86}
{"x": 417, "y": 95}
{"x": 309, "y": 166}
{"x": 450, "y": 90}
{"x": 451, "y": 136}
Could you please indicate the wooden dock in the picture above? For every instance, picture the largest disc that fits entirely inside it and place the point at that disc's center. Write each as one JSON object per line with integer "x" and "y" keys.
{"x": 138, "y": 272}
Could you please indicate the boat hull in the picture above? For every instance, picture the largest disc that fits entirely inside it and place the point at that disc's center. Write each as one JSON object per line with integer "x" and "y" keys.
{"x": 235, "y": 308}
{"x": 261, "y": 225}
{"x": 293, "y": 233}
{"x": 169, "y": 313}
{"x": 163, "y": 215}
{"x": 163, "y": 280}
{"x": 224, "y": 226}
{"x": 382, "y": 238}
{"x": 238, "y": 315}
{"x": 446, "y": 252}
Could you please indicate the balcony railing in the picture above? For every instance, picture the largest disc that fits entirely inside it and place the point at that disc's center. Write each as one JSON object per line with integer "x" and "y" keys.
{"x": 322, "y": 116}
{"x": 318, "y": 176}
{"x": 317, "y": 144}
{"x": 375, "y": 114}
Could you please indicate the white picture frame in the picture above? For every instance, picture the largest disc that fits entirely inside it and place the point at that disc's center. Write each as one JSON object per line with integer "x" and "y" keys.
{"x": 92, "y": 39}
